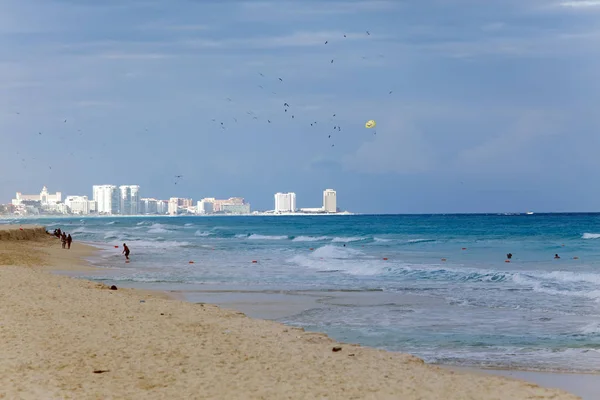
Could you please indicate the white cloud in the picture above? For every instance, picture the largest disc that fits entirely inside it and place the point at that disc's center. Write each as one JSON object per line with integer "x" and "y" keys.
{"x": 581, "y": 4}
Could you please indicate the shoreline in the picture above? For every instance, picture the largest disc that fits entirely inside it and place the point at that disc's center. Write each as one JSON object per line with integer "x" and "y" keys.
{"x": 151, "y": 346}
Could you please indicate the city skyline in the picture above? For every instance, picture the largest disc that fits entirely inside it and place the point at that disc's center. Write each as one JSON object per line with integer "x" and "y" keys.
{"x": 125, "y": 200}
{"x": 480, "y": 106}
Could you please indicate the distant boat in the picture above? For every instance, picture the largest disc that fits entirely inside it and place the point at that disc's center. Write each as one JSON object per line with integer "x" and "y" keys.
{"x": 529, "y": 213}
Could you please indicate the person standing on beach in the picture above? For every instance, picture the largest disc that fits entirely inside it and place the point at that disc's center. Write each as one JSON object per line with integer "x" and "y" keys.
{"x": 126, "y": 251}
{"x": 63, "y": 239}
{"x": 69, "y": 241}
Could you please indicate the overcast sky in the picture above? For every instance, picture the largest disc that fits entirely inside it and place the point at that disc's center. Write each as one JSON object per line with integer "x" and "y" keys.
{"x": 494, "y": 104}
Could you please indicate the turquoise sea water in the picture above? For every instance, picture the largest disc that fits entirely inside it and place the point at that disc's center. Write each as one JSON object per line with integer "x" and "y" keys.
{"x": 472, "y": 309}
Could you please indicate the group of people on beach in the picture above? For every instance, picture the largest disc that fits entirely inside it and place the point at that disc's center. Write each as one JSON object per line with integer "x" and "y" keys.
{"x": 64, "y": 238}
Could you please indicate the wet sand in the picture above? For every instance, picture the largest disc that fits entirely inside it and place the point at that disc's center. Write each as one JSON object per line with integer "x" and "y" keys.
{"x": 68, "y": 338}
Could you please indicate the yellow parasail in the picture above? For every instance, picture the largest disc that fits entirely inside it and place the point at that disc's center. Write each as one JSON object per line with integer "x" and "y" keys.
{"x": 370, "y": 124}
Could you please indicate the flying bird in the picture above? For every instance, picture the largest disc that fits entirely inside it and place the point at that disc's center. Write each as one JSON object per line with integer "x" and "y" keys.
{"x": 332, "y": 61}
{"x": 326, "y": 41}
{"x": 344, "y": 35}
{"x": 368, "y": 33}
{"x": 281, "y": 79}
{"x": 390, "y": 92}
{"x": 260, "y": 73}
{"x": 269, "y": 121}
{"x": 65, "y": 120}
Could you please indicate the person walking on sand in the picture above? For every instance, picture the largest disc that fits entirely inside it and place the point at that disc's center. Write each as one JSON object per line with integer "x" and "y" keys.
{"x": 126, "y": 251}
{"x": 69, "y": 241}
{"x": 63, "y": 239}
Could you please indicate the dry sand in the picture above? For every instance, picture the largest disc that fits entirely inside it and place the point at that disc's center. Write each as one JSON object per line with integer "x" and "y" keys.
{"x": 56, "y": 331}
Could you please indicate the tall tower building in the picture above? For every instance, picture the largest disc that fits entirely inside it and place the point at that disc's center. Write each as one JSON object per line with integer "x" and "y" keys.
{"x": 129, "y": 203}
{"x": 285, "y": 202}
{"x": 329, "y": 201}
{"x": 106, "y": 198}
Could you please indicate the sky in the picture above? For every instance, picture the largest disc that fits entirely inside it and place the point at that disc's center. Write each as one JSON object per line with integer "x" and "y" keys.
{"x": 493, "y": 104}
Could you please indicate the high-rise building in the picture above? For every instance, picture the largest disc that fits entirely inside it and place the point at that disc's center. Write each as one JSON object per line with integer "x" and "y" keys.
{"x": 107, "y": 199}
{"x": 135, "y": 199}
{"x": 329, "y": 201}
{"x": 173, "y": 206}
{"x": 285, "y": 202}
{"x": 80, "y": 205}
{"x": 205, "y": 206}
{"x": 129, "y": 201}
{"x": 232, "y": 201}
{"x": 185, "y": 203}
{"x": 148, "y": 206}
{"x": 162, "y": 207}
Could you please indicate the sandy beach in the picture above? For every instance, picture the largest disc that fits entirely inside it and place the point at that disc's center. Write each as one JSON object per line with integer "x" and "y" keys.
{"x": 66, "y": 338}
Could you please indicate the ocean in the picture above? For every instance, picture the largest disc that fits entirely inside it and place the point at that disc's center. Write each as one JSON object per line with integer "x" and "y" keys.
{"x": 436, "y": 286}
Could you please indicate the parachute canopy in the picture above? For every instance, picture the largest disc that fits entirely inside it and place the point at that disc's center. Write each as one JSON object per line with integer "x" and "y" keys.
{"x": 370, "y": 124}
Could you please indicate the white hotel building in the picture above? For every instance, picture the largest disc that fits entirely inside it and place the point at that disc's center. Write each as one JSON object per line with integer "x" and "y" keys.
{"x": 80, "y": 205}
{"x": 285, "y": 202}
{"x": 329, "y": 201}
{"x": 107, "y": 199}
{"x": 129, "y": 200}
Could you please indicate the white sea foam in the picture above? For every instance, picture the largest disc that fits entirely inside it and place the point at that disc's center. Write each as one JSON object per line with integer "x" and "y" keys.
{"x": 112, "y": 235}
{"x": 338, "y": 258}
{"x": 421, "y": 240}
{"x": 591, "y": 236}
{"x": 310, "y": 239}
{"x": 592, "y": 328}
{"x": 157, "y": 230}
{"x": 266, "y": 237}
{"x": 382, "y": 240}
{"x": 202, "y": 234}
{"x": 151, "y": 244}
{"x": 347, "y": 239}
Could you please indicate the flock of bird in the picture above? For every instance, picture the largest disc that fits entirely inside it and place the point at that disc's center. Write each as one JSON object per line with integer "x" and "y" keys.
{"x": 287, "y": 111}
